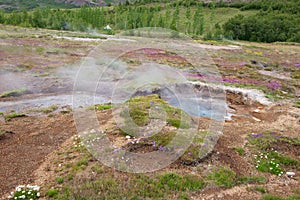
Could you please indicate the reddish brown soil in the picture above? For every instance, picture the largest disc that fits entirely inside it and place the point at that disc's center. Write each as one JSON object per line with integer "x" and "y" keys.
{"x": 26, "y": 144}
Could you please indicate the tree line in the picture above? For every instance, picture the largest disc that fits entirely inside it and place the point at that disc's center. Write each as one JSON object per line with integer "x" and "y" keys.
{"x": 275, "y": 20}
{"x": 120, "y": 17}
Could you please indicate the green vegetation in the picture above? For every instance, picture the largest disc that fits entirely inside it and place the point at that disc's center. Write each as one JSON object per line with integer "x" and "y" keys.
{"x": 101, "y": 107}
{"x": 16, "y": 92}
{"x": 297, "y": 104}
{"x": 223, "y": 177}
{"x": 162, "y": 186}
{"x": 260, "y": 189}
{"x": 47, "y": 110}
{"x": 259, "y": 20}
{"x": 269, "y": 160}
{"x": 139, "y": 111}
{"x": 272, "y": 197}
{"x": 32, "y": 4}
{"x": 13, "y": 115}
{"x": 194, "y": 19}
{"x": 52, "y": 193}
{"x": 27, "y": 194}
{"x": 2, "y": 134}
{"x": 251, "y": 180}
{"x": 59, "y": 180}
{"x": 276, "y": 21}
{"x": 240, "y": 150}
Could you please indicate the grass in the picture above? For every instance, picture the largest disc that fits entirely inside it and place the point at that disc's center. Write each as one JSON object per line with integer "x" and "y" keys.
{"x": 251, "y": 180}
{"x": 266, "y": 158}
{"x": 47, "y": 110}
{"x": 59, "y": 180}
{"x": 12, "y": 93}
{"x": 260, "y": 189}
{"x": 139, "y": 111}
{"x": 223, "y": 177}
{"x": 140, "y": 186}
{"x": 296, "y": 104}
{"x": 240, "y": 150}
{"x": 2, "y": 134}
{"x": 272, "y": 197}
{"x": 52, "y": 193}
{"x": 13, "y": 115}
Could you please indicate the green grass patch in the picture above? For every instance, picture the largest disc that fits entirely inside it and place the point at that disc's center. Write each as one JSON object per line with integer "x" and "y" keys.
{"x": 240, "y": 150}
{"x": 101, "y": 107}
{"x": 47, "y": 110}
{"x": 296, "y": 104}
{"x": 13, "y": 115}
{"x": 59, "y": 180}
{"x": 266, "y": 158}
{"x": 138, "y": 186}
{"x": 139, "y": 111}
{"x": 223, "y": 177}
{"x": 260, "y": 189}
{"x": 52, "y": 193}
{"x": 12, "y": 93}
{"x": 251, "y": 180}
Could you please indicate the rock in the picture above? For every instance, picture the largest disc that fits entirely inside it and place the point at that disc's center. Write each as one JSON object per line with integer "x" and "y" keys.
{"x": 256, "y": 119}
{"x": 290, "y": 173}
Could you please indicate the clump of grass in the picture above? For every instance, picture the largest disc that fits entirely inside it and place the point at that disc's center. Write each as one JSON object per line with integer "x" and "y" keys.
{"x": 223, "y": 177}
{"x": 260, "y": 189}
{"x": 16, "y": 92}
{"x": 139, "y": 111}
{"x": 177, "y": 182}
{"x": 59, "y": 180}
{"x": 52, "y": 193}
{"x": 13, "y": 115}
{"x": 2, "y": 134}
{"x": 251, "y": 180}
{"x": 47, "y": 110}
{"x": 101, "y": 107}
{"x": 240, "y": 150}
{"x": 296, "y": 104}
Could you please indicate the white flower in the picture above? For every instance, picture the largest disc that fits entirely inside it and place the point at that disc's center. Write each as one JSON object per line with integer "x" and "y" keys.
{"x": 38, "y": 194}
{"x": 22, "y": 197}
{"x": 127, "y": 136}
{"x": 18, "y": 189}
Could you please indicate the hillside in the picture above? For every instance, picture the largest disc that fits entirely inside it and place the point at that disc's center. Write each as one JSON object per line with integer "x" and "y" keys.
{"x": 32, "y": 4}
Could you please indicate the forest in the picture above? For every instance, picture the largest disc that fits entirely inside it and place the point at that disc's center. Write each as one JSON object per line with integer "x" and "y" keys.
{"x": 274, "y": 20}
